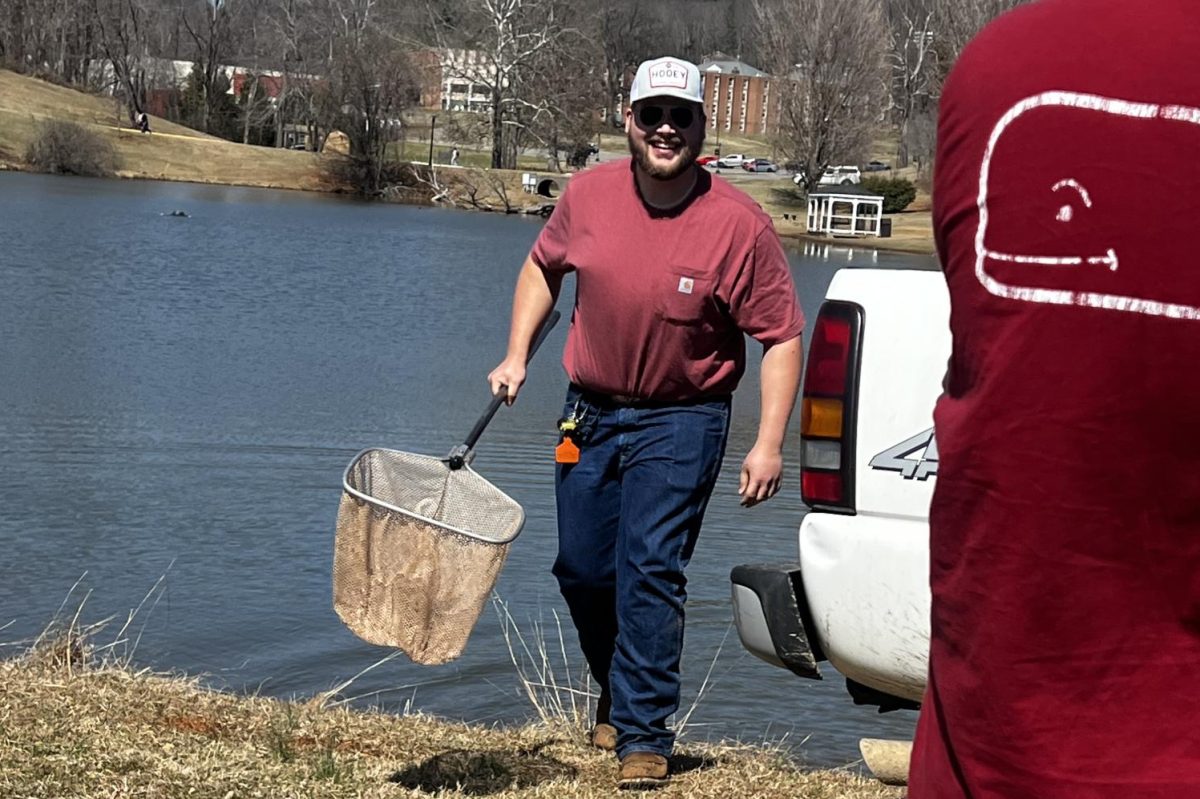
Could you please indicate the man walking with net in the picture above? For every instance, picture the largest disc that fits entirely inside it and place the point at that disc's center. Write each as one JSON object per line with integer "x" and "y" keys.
{"x": 673, "y": 268}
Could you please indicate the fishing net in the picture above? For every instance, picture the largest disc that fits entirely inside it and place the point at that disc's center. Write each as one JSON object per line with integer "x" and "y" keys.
{"x": 418, "y": 549}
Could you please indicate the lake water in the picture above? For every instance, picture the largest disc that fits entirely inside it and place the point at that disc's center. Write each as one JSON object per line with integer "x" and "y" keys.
{"x": 179, "y": 398}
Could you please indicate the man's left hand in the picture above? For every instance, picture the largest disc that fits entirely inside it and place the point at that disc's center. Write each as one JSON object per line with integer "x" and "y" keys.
{"x": 761, "y": 474}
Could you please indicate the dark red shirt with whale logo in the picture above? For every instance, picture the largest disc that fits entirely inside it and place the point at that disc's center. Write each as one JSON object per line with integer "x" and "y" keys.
{"x": 1065, "y": 526}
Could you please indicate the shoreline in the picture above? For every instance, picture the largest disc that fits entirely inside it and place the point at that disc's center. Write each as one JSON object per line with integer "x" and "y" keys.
{"x": 179, "y": 154}
{"x": 792, "y": 239}
{"x": 94, "y": 729}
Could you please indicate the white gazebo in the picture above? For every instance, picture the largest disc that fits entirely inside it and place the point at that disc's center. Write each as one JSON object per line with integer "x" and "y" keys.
{"x": 848, "y": 210}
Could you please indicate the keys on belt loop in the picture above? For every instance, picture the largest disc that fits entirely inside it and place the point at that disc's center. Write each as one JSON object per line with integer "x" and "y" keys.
{"x": 567, "y": 450}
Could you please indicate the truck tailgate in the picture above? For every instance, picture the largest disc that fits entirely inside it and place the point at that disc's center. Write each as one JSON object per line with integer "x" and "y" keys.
{"x": 906, "y": 345}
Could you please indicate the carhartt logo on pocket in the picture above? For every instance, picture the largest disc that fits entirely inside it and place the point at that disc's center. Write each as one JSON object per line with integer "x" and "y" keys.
{"x": 686, "y": 284}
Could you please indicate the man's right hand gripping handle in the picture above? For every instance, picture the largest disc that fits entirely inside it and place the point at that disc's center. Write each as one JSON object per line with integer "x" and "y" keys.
{"x": 508, "y": 378}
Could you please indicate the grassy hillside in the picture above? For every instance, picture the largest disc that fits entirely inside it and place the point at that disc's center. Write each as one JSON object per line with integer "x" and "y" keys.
{"x": 171, "y": 152}
{"x": 175, "y": 152}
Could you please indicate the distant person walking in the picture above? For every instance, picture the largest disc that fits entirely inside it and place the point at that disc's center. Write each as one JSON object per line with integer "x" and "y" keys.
{"x": 1065, "y": 525}
{"x": 673, "y": 268}
{"x": 454, "y": 157}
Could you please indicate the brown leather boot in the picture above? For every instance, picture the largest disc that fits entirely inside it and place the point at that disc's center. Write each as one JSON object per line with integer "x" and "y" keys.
{"x": 643, "y": 771}
{"x": 604, "y": 735}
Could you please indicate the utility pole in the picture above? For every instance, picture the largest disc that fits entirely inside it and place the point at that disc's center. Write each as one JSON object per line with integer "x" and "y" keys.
{"x": 432, "y": 123}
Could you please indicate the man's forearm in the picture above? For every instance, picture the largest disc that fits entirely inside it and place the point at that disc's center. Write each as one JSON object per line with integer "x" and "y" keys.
{"x": 533, "y": 299}
{"x": 780, "y": 381}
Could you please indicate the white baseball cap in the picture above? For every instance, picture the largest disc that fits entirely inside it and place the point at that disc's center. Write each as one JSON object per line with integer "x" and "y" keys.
{"x": 666, "y": 77}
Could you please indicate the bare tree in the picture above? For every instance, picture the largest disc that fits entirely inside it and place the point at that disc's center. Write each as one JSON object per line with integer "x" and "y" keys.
{"x": 928, "y": 35}
{"x": 296, "y": 45}
{"x": 925, "y": 38}
{"x": 368, "y": 82}
{"x": 208, "y": 25}
{"x": 915, "y": 71}
{"x": 693, "y": 29}
{"x": 122, "y": 31}
{"x": 628, "y": 33}
{"x": 46, "y": 37}
{"x": 74, "y": 38}
{"x": 959, "y": 20}
{"x": 20, "y": 24}
{"x": 570, "y": 89}
{"x": 508, "y": 41}
{"x": 253, "y": 88}
{"x": 829, "y": 54}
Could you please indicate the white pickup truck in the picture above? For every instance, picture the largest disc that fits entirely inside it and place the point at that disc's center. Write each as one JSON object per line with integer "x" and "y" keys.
{"x": 859, "y": 595}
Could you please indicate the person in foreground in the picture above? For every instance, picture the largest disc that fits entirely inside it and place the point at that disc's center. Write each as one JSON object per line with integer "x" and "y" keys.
{"x": 1065, "y": 525}
{"x": 672, "y": 268}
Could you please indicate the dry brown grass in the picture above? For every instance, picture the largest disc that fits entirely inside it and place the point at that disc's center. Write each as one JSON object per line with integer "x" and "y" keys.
{"x": 71, "y": 728}
{"x": 171, "y": 152}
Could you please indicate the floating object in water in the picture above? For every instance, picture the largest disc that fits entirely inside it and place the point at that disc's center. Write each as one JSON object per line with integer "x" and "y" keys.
{"x": 176, "y": 212}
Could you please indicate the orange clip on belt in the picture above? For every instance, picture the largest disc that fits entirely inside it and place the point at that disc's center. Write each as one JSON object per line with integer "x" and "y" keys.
{"x": 567, "y": 451}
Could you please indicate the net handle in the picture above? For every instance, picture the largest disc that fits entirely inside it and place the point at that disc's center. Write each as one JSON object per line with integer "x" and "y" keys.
{"x": 462, "y": 453}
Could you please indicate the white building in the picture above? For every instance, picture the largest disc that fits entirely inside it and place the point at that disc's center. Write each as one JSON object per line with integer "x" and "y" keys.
{"x": 466, "y": 78}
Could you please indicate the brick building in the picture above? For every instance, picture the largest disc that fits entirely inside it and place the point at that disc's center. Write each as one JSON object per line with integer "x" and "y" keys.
{"x": 738, "y": 98}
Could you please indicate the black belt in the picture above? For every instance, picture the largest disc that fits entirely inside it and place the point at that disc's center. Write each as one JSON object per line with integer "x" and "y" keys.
{"x": 613, "y": 401}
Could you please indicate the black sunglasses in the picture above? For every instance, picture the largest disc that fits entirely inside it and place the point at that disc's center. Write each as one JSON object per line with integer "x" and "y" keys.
{"x": 651, "y": 116}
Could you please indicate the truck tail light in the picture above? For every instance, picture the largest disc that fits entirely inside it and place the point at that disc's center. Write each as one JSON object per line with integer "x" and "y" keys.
{"x": 828, "y": 408}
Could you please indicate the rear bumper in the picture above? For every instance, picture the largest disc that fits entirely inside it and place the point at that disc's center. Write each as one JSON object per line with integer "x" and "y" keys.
{"x": 866, "y": 580}
{"x": 859, "y": 598}
{"x": 771, "y": 616}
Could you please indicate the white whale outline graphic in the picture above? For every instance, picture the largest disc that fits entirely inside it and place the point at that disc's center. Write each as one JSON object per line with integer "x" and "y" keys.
{"x": 1108, "y": 302}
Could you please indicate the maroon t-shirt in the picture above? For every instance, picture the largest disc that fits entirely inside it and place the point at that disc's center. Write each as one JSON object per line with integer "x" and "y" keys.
{"x": 662, "y": 298}
{"x": 1065, "y": 526}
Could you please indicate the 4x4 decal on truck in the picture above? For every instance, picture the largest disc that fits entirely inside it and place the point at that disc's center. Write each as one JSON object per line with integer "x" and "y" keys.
{"x": 897, "y": 458}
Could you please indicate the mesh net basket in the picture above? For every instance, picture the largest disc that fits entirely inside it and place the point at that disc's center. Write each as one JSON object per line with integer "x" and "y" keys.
{"x": 418, "y": 549}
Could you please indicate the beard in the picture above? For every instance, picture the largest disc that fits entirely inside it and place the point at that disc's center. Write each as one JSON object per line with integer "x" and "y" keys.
{"x": 688, "y": 153}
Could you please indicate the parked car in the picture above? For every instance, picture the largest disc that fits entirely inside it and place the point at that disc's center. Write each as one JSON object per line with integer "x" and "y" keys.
{"x": 833, "y": 176}
{"x": 840, "y": 176}
{"x": 876, "y": 166}
{"x": 858, "y": 595}
{"x": 759, "y": 165}
{"x": 706, "y": 160}
{"x": 732, "y": 161}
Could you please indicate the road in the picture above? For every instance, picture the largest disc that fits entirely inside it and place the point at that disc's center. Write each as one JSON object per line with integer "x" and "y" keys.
{"x": 607, "y": 154}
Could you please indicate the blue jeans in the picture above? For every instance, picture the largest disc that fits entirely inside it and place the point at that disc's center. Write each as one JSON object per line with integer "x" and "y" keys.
{"x": 629, "y": 514}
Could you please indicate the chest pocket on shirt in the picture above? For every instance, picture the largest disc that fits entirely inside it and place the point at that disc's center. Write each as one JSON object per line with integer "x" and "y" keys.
{"x": 683, "y": 295}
